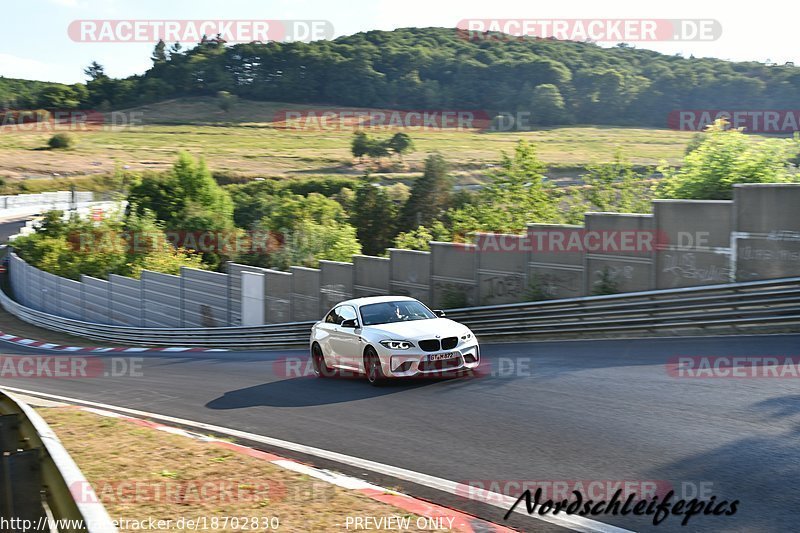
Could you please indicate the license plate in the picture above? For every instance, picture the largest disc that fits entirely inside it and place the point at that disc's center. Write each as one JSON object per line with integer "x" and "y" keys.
{"x": 442, "y": 356}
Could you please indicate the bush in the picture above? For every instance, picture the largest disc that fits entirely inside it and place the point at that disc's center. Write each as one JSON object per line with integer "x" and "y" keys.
{"x": 454, "y": 298}
{"x": 537, "y": 290}
{"x": 607, "y": 284}
{"x": 62, "y": 141}
{"x": 78, "y": 246}
{"x": 727, "y": 156}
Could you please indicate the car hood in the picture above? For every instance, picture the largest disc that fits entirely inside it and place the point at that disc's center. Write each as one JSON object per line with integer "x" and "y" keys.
{"x": 418, "y": 329}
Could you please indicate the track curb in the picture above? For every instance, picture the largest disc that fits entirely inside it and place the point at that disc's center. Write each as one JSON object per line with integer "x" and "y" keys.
{"x": 460, "y": 521}
{"x": 32, "y": 343}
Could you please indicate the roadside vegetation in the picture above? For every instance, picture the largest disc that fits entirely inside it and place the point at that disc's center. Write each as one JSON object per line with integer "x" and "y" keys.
{"x": 336, "y": 218}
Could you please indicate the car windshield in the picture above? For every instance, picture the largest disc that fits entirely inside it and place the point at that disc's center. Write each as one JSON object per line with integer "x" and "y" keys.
{"x": 388, "y": 312}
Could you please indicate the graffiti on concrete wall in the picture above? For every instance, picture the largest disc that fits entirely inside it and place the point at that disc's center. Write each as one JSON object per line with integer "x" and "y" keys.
{"x": 551, "y": 285}
{"x": 502, "y": 286}
{"x": 684, "y": 266}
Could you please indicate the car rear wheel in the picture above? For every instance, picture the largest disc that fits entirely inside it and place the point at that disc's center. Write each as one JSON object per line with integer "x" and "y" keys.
{"x": 373, "y": 367}
{"x": 321, "y": 368}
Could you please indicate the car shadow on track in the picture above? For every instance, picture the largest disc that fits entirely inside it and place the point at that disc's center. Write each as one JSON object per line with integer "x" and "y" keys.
{"x": 310, "y": 391}
{"x": 758, "y": 469}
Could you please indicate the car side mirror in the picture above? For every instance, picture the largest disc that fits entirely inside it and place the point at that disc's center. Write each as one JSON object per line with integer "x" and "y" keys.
{"x": 439, "y": 313}
{"x": 350, "y": 323}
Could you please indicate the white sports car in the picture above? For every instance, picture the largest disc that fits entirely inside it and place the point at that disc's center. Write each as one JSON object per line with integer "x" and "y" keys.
{"x": 391, "y": 336}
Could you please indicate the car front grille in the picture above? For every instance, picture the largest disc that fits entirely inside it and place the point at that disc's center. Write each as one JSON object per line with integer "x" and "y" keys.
{"x": 448, "y": 343}
{"x": 430, "y": 345}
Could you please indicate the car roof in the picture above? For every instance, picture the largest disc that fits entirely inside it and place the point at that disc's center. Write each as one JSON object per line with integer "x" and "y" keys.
{"x": 375, "y": 300}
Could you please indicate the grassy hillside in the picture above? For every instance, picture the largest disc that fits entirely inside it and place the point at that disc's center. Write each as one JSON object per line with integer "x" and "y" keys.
{"x": 247, "y": 141}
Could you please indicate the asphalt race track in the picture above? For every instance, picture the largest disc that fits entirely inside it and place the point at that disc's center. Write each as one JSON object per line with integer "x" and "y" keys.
{"x": 579, "y": 410}
{"x": 11, "y": 227}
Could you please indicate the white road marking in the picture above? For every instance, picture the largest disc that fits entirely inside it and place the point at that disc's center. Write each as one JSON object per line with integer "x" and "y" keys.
{"x": 346, "y": 482}
{"x": 574, "y": 523}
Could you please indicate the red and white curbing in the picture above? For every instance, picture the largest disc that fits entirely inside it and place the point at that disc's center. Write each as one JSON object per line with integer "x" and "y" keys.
{"x": 31, "y": 343}
{"x": 459, "y": 521}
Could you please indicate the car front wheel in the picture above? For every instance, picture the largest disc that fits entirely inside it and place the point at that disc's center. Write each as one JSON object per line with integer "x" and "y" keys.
{"x": 373, "y": 367}
{"x": 321, "y": 368}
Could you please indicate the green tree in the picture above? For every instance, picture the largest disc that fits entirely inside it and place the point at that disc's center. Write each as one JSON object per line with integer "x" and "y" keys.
{"x": 309, "y": 242}
{"x": 150, "y": 249}
{"x": 99, "y": 248}
{"x": 613, "y": 187}
{"x": 301, "y": 223}
{"x": 400, "y": 143}
{"x": 420, "y": 238}
{"x": 694, "y": 143}
{"x": 432, "y": 68}
{"x": 360, "y": 145}
{"x": 725, "y": 157}
{"x": 158, "y": 193}
{"x": 517, "y": 195}
{"x": 59, "y": 97}
{"x": 430, "y": 195}
{"x": 95, "y": 71}
{"x": 159, "y": 55}
{"x": 374, "y": 216}
{"x": 548, "y": 105}
{"x": 377, "y": 149}
{"x": 187, "y": 199}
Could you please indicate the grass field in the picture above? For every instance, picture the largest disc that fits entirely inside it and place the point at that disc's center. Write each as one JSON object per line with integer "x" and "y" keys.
{"x": 141, "y": 473}
{"x": 248, "y": 141}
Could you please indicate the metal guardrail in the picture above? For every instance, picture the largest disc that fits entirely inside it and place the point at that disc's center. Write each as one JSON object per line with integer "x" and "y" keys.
{"x": 754, "y": 305}
{"x": 39, "y": 480}
{"x": 269, "y": 335}
{"x": 757, "y": 304}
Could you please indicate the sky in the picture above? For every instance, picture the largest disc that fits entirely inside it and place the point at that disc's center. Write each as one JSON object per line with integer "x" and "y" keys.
{"x": 37, "y": 46}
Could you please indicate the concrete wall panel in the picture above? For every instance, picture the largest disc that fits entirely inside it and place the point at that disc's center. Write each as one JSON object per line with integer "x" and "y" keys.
{"x": 278, "y": 291}
{"x": 454, "y": 275}
{"x": 126, "y": 301}
{"x": 50, "y": 294}
{"x": 767, "y": 231}
{"x": 96, "y": 305}
{"x": 336, "y": 283}
{"x": 162, "y": 300}
{"x": 252, "y": 298}
{"x": 555, "y": 268}
{"x": 694, "y": 242}
{"x": 71, "y": 298}
{"x": 625, "y": 252}
{"x": 502, "y": 268}
{"x": 372, "y": 276}
{"x": 410, "y": 274}
{"x": 235, "y": 272}
{"x": 305, "y": 294}
{"x": 205, "y": 298}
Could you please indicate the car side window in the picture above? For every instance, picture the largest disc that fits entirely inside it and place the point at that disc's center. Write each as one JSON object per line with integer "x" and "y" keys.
{"x": 346, "y": 313}
{"x": 333, "y": 317}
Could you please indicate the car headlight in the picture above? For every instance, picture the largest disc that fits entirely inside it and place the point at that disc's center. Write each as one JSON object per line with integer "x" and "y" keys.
{"x": 397, "y": 345}
{"x": 466, "y": 336}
